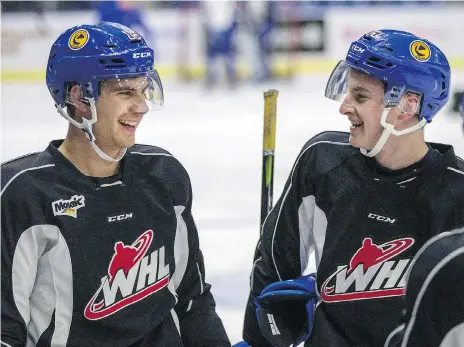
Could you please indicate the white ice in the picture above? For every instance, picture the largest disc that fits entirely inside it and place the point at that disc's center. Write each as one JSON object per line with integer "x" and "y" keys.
{"x": 217, "y": 136}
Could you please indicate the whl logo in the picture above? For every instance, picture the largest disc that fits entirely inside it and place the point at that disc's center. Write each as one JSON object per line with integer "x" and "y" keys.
{"x": 68, "y": 207}
{"x": 132, "y": 274}
{"x": 371, "y": 273}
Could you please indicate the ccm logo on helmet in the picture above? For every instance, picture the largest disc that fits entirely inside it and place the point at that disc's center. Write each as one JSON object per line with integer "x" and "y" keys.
{"x": 141, "y": 55}
{"x": 357, "y": 49}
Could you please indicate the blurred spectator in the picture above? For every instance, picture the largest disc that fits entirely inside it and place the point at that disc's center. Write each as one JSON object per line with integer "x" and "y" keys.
{"x": 220, "y": 19}
{"x": 126, "y": 13}
{"x": 259, "y": 19}
{"x": 187, "y": 10}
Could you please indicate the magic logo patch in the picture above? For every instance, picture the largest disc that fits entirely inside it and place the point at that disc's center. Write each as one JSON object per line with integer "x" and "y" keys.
{"x": 68, "y": 207}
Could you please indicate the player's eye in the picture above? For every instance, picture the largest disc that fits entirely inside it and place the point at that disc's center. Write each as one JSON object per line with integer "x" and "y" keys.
{"x": 360, "y": 97}
{"x": 125, "y": 93}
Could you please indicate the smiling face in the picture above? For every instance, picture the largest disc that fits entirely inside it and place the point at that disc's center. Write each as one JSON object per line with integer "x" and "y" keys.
{"x": 120, "y": 109}
{"x": 363, "y": 105}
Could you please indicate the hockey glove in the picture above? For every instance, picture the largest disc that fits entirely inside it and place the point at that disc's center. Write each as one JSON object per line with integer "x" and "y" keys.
{"x": 285, "y": 311}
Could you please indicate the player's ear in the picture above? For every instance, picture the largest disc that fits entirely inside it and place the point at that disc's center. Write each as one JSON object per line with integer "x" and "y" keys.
{"x": 75, "y": 96}
{"x": 409, "y": 105}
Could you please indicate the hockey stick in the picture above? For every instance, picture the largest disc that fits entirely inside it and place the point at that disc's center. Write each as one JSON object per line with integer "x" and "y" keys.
{"x": 269, "y": 135}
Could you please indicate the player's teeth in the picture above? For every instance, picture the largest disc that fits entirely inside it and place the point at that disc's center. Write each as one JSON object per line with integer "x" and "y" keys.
{"x": 131, "y": 123}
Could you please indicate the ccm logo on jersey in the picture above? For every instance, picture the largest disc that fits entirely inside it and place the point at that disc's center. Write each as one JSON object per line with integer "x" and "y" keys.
{"x": 120, "y": 217}
{"x": 371, "y": 273}
{"x": 68, "y": 207}
{"x": 381, "y": 218}
{"x": 141, "y": 55}
{"x": 132, "y": 276}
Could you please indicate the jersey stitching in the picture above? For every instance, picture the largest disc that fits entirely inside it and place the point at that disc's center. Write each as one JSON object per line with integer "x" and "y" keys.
{"x": 142, "y": 153}
{"x": 455, "y": 170}
{"x": 20, "y": 157}
{"x": 23, "y": 171}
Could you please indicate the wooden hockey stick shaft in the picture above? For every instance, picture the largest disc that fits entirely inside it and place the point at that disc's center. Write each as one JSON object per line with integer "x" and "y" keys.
{"x": 269, "y": 136}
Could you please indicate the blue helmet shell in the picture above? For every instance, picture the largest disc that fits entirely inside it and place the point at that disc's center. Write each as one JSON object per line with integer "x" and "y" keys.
{"x": 404, "y": 62}
{"x": 87, "y": 54}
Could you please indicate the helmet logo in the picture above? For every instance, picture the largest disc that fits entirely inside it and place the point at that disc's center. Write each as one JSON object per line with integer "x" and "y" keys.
{"x": 420, "y": 50}
{"x": 78, "y": 39}
{"x": 376, "y": 34}
{"x": 357, "y": 49}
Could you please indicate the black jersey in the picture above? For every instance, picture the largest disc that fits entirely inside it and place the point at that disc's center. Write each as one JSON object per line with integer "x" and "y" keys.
{"x": 102, "y": 261}
{"x": 357, "y": 226}
{"x": 434, "y": 295}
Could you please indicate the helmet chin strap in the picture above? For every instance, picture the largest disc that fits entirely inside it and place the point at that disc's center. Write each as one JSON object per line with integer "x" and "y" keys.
{"x": 86, "y": 127}
{"x": 389, "y": 129}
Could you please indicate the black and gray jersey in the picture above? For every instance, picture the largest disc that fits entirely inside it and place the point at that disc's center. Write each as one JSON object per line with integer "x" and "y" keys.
{"x": 434, "y": 295}
{"x": 111, "y": 261}
{"x": 357, "y": 225}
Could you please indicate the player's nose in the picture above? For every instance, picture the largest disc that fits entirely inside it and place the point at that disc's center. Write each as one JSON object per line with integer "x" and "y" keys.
{"x": 139, "y": 105}
{"x": 346, "y": 107}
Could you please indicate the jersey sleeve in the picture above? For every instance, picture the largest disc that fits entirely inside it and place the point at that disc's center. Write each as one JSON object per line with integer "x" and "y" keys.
{"x": 280, "y": 255}
{"x": 13, "y": 324}
{"x": 25, "y": 238}
{"x": 199, "y": 323}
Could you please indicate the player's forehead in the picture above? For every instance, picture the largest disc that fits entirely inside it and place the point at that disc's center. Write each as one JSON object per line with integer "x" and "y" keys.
{"x": 360, "y": 81}
{"x": 138, "y": 82}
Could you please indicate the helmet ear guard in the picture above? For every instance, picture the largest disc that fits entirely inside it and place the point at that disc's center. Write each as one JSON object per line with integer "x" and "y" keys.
{"x": 410, "y": 103}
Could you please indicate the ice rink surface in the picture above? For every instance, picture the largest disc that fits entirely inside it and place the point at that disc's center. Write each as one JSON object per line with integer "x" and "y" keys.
{"x": 217, "y": 136}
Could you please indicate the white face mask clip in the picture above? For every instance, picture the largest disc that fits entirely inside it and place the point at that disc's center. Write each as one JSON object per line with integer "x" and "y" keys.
{"x": 389, "y": 129}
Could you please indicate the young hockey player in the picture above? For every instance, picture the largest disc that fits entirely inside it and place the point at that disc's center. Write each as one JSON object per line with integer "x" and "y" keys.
{"x": 357, "y": 206}
{"x": 99, "y": 246}
{"x": 435, "y": 306}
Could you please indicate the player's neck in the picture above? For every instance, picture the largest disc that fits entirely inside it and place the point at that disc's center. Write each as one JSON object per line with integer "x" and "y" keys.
{"x": 81, "y": 154}
{"x": 402, "y": 151}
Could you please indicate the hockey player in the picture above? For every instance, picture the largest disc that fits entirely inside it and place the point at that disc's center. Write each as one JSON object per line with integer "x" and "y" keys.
{"x": 435, "y": 306}
{"x": 357, "y": 206}
{"x": 99, "y": 246}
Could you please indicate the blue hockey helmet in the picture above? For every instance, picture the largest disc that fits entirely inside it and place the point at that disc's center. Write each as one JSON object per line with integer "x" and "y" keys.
{"x": 89, "y": 55}
{"x": 404, "y": 62}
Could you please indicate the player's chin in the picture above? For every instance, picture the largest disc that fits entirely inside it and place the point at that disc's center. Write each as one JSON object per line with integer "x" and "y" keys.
{"x": 126, "y": 142}
{"x": 356, "y": 142}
